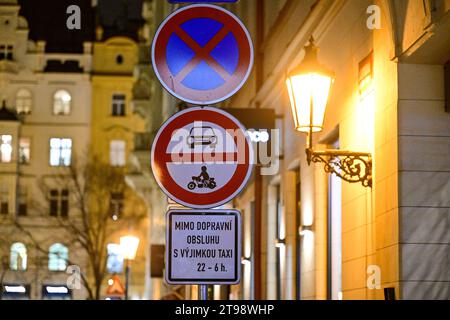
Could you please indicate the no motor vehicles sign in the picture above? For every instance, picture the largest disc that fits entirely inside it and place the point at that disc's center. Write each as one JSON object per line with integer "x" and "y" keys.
{"x": 202, "y": 158}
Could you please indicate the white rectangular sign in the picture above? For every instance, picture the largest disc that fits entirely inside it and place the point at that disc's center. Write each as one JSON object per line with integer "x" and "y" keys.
{"x": 203, "y": 247}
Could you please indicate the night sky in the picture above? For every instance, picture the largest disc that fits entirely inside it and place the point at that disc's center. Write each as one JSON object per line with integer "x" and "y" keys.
{"x": 47, "y": 21}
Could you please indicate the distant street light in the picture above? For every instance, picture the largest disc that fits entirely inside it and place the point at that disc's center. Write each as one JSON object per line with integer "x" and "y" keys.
{"x": 128, "y": 246}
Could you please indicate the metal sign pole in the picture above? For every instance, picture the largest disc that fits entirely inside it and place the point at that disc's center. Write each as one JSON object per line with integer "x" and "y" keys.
{"x": 203, "y": 292}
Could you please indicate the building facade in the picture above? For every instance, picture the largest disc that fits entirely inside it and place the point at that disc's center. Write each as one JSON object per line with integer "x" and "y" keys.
{"x": 45, "y": 121}
{"x": 59, "y": 108}
{"x": 308, "y": 234}
{"x": 324, "y": 238}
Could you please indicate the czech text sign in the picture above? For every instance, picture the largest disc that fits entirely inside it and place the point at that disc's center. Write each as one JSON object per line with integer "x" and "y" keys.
{"x": 202, "y": 54}
{"x": 203, "y": 247}
{"x": 202, "y": 158}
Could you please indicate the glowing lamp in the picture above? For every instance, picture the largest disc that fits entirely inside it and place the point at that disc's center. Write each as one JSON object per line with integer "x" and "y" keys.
{"x": 309, "y": 86}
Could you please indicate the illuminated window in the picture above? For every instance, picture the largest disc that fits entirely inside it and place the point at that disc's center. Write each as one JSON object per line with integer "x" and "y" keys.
{"x": 56, "y": 292}
{"x": 57, "y": 257}
{"x": 62, "y": 102}
{"x": 118, "y": 105}
{"x": 117, "y": 153}
{"x": 18, "y": 258}
{"x": 23, "y": 101}
{"x": 6, "y": 147}
{"x": 60, "y": 152}
{"x": 24, "y": 150}
{"x": 114, "y": 263}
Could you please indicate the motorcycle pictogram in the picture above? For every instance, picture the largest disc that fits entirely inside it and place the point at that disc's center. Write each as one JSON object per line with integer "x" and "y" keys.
{"x": 203, "y": 181}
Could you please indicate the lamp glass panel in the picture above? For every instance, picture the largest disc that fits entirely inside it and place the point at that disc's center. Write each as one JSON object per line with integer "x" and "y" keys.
{"x": 129, "y": 247}
{"x": 292, "y": 100}
{"x": 303, "y": 89}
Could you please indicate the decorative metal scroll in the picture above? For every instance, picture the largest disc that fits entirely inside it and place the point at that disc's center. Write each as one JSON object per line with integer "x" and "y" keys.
{"x": 352, "y": 167}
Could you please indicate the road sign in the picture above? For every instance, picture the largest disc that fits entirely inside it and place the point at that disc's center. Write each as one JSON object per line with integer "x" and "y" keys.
{"x": 203, "y": 247}
{"x": 202, "y": 158}
{"x": 202, "y": 54}
{"x": 115, "y": 287}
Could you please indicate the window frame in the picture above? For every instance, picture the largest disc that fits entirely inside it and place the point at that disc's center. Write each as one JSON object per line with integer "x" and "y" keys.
{"x": 58, "y": 256}
{"x": 28, "y": 161}
{"x": 118, "y": 157}
{"x": 60, "y": 149}
{"x": 70, "y": 103}
{"x": 116, "y": 204}
{"x": 59, "y": 203}
{"x": 110, "y": 269}
{"x": 22, "y": 202}
{"x": 14, "y": 253}
{"x": 116, "y": 103}
{"x": 4, "y": 200}
{"x": 6, "y": 52}
{"x": 29, "y": 98}
{"x": 1, "y": 147}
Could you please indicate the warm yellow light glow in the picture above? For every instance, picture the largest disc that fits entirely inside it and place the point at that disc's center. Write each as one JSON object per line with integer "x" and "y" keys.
{"x": 280, "y": 244}
{"x": 129, "y": 246}
{"x": 309, "y": 91}
{"x": 307, "y": 212}
{"x": 306, "y": 233}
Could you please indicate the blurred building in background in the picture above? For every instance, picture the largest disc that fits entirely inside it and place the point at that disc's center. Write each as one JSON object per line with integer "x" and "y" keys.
{"x": 66, "y": 95}
{"x": 44, "y": 120}
{"x": 114, "y": 124}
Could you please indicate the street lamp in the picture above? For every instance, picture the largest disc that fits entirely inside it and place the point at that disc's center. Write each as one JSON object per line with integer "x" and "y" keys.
{"x": 128, "y": 246}
{"x": 309, "y": 86}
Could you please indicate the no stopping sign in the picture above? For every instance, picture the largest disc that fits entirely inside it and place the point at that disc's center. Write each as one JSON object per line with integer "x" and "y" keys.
{"x": 202, "y": 54}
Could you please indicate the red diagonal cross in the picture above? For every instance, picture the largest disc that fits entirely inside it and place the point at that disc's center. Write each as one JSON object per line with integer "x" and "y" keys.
{"x": 202, "y": 54}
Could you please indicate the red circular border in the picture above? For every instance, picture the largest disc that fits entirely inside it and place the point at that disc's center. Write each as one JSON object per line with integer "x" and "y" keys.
{"x": 161, "y": 172}
{"x": 199, "y": 96}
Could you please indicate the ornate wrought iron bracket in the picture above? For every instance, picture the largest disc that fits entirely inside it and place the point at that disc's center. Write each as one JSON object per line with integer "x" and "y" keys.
{"x": 352, "y": 167}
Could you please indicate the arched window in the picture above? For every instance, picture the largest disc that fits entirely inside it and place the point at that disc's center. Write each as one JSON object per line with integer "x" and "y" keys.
{"x": 23, "y": 101}
{"x": 18, "y": 258}
{"x": 57, "y": 257}
{"x": 62, "y": 103}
